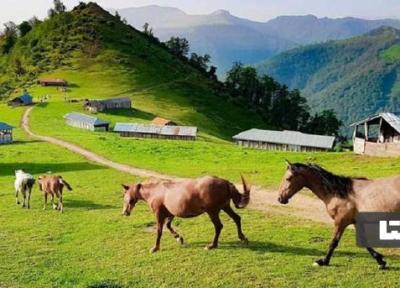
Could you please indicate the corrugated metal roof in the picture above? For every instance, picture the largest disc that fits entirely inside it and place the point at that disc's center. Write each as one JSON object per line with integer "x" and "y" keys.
{"x": 392, "y": 119}
{"x": 74, "y": 116}
{"x": 287, "y": 137}
{"x": 26, "y": 98}
{"x": 5, "y": 126}
{"x": 156, "y": 129}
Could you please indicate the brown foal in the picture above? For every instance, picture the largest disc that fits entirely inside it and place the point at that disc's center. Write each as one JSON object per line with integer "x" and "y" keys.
{"x": 344, "y": 197}
{"x": 53, "y": 186}
{"x": 188, "y": 198}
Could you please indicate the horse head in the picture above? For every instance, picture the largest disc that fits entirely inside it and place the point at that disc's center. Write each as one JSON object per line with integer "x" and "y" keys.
{"x": 292, "y": 182}
{"x": 131, "y": 195}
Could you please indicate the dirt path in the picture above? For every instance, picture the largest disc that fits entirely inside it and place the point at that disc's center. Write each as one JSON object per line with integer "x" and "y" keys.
{"x": 262, "y": 199}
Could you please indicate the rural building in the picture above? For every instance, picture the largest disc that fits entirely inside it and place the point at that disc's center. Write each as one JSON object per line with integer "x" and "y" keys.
{"x": 163, "y": 122}
{"x": 86, "y": 122}
{"x": 23, "y": 100}
{"x": 6, "y": 133}
{"x": 284, "y": 140}
{"x": 108, "y": 104}
{"x": 378, "y": 135}
{"x": 53, "y": 82}
{"x": 156, "y": 131}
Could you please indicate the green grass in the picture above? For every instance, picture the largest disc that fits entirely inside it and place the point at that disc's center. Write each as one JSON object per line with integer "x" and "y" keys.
{"x": 207, "y": 156}
{"x": 392, "y": 54}
{"x": 91, "y": 245}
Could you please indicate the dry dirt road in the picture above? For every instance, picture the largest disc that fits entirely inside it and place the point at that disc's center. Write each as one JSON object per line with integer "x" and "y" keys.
{"x": 261, "y": 199}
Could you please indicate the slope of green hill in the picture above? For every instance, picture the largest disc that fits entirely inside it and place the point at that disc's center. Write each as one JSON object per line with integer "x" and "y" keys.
{"x": 101, "y": 57}
{"x": 356, "y": 77}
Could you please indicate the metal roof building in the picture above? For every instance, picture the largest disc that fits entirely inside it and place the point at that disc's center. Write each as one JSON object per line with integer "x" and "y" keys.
{"x": 22, "y": 100}
{"x": 156, "y": 131}
{"x": 284, "y": 140}
{"x": 377, "y": 135}
{"x": 6, "y": 135}
{"x": 86, "y": 122}
{"x": 108, "y": 104}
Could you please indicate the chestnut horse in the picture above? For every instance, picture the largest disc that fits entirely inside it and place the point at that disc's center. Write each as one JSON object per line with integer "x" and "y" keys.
{"x": 53, "y": 186}
{"x": 344, "y": 197}
{"x": 188, "y": 198}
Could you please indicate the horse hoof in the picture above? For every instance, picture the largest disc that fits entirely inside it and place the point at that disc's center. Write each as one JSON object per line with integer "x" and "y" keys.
{"x": 245, "y": 241}
{"x": 180, "y": 240}
{"x": 154, "y": 250}
{"x": 320, "y": 262}
{"x": 382, "y": 266}
{"x": 210, "y": 247}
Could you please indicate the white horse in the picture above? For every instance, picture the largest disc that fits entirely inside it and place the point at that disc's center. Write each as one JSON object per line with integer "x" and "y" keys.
{"x": 23, "y": 183}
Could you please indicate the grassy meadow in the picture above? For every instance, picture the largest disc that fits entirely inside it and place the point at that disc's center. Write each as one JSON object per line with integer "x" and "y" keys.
{"x": 92, "y": 245}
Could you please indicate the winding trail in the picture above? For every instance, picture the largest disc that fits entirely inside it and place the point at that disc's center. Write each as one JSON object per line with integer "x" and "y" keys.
{"x": 261, "y": 199}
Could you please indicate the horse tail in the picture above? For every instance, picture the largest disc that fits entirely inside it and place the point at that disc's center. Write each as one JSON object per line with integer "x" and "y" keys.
{"x": 240, "y": 200}
{"x": 65, "y": 183}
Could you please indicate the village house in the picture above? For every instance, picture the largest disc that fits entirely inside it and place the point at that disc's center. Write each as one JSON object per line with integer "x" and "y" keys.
{"x": 6, "y": 133}
{"x": 22, "y": 100}
{"x": 156, "y": 131}
{"x": 377, "y": 135}
{"x": 163, "y": 122}
{"x": 53, "y": 82}
{"x": 108, "y": 104}
{"x": 86, "y": 122}
{"x": 284, "y": 141}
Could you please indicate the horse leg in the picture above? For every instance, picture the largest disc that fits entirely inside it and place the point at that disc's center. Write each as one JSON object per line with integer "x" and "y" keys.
{"x": 236, "y": 218}
{"x": 378, "y": 257}
{"x": 52, "y": 202}
{"x": 24, "y": 196}
{"x": 160, "y": 225}
{"x": 45, "y": 201}
{"x": 214, "y": 216}
{"x": 337, "y": 234}
{"x": 173, "y": 232}
{"x": 60, "y": 202}
{"x": 16, "y": 196}
{"x": 29, "y": 197}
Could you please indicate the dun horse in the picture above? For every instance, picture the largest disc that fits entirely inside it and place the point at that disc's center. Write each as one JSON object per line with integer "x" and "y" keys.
{"x": 344, "y": 197}
{"x": 188, "y": 198}
{"x": 23, "y": 184}
{"x": 53, "y": 186}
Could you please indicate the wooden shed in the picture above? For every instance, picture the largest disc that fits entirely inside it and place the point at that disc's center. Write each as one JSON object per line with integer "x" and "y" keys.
{"x": 377, "y": 135}
{"x": 53, "y": 82}
{"x": 163, "y": 122}
{"x": 6, "y": 133}
{"x": 86, "y": 122}
{"x": 108, "y": 104}
{"x": 284, "y": 140}
{"x": 156, "y": 131}
{"x": 22, "y": 100}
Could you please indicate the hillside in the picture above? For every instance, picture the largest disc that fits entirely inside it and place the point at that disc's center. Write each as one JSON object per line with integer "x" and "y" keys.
{"x": 228, "y": 38}
{"x": 355, "y": 77}
{"x": 103, "y": 57}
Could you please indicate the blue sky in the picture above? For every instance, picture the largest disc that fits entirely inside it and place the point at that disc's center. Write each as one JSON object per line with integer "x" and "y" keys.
{"x": 261, "y": 10}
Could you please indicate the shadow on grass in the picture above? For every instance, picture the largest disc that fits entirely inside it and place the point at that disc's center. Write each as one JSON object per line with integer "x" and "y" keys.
{"x": 19, "y": 142}
{"x": 86, "y": 204}
{"x": 105, "y": 284}
{"x": 8, "y": 169}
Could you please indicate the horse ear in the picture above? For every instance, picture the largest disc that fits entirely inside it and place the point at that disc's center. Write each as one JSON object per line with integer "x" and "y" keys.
{"x": 289, "y": 165}
{"x": 126, "y": 187}
{"x": 139, "y": 186}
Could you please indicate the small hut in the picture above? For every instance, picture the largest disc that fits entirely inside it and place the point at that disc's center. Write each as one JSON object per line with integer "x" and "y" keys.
{"x": 284, "y": 140}
{"x": 163, "y": 122}
{"x": 108, "y": 104}
{"x": 377, "y": 135}
{"x": 6, "y": 133}
{"x": 86, "y": 122}
{"x": 156, "y": 131}
{"x": 53, "y": 82}
{"x": 22, "y": 100}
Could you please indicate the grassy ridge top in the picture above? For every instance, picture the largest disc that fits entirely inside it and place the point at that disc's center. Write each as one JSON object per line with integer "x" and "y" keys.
{"x": 101, "y": 57}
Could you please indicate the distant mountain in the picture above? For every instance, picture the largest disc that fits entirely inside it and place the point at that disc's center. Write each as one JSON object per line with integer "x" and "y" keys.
{"x": 228, "y": 38}
{"x": 355, "y": 77}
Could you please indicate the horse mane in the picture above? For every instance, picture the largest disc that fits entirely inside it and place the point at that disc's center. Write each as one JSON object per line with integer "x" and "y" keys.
{"x": 339, "y": 185}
